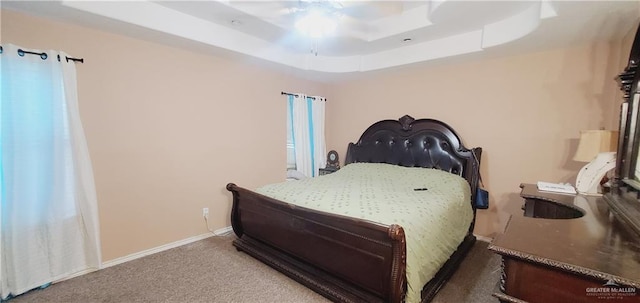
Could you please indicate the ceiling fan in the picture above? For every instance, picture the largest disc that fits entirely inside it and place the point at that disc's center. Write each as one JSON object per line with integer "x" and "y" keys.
{"x": 357, "y": 9}
{"x": 319, "y": 18}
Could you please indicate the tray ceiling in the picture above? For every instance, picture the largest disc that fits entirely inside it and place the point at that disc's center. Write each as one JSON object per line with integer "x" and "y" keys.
{"x": 371, "y": 35}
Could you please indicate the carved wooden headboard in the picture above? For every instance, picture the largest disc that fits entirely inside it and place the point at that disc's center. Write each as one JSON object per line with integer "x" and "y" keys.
{"x": 417, "y": 143}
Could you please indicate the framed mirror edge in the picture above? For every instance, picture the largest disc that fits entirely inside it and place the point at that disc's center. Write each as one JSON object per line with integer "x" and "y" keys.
{"x": 624, "y": 197}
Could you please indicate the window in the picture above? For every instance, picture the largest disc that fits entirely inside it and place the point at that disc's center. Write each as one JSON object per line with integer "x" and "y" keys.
{"x": 48, "y": 207}
{"x": 291, "y": 154}
{"x": 305, "y": 134}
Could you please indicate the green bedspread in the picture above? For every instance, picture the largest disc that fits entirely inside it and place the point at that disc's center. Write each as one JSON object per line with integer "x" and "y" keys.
{"x": 435, "y": 220}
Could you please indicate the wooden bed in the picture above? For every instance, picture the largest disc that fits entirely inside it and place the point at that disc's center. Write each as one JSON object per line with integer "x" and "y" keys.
{"x": 347, "y": 259}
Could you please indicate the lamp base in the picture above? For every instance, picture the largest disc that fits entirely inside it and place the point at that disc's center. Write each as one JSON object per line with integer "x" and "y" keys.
{"x": 590, "y": 176}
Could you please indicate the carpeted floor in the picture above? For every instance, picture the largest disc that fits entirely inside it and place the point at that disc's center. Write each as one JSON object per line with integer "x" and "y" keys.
{"x": 212, "y": 270}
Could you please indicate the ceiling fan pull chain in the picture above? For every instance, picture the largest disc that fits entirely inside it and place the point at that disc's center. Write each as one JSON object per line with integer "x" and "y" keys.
{"x": 314, "y": 47}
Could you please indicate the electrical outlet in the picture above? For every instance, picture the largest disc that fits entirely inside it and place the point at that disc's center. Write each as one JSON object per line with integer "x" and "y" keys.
{"x": 205, "y": 212}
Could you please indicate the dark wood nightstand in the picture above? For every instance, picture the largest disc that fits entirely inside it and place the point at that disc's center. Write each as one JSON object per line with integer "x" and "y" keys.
{"x": 328, "y": 170}
{"x": 566, "y": 248}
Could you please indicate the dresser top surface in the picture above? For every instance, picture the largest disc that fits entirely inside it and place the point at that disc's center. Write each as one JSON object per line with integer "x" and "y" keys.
{"x": 595, "y": 244}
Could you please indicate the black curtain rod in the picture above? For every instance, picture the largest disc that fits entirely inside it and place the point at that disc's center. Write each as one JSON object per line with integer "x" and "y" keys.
{"x": 296, "y": 95}
{"x": 43, "y": 55}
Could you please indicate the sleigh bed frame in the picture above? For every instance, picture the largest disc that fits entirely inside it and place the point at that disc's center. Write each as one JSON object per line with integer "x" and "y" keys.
{"x": 347, "y": 259}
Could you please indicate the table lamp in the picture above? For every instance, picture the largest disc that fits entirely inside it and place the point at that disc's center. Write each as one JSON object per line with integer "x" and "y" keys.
{"x": 598, "y": 147}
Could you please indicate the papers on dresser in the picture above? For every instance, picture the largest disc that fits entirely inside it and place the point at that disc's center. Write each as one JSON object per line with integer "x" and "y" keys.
{"x": 556, "y": 187}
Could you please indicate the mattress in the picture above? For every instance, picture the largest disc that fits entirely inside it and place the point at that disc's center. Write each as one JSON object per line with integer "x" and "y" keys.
{"x": 435, "y": 218}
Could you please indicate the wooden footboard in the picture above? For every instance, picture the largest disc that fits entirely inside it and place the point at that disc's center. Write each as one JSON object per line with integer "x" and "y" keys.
{"x": 342, "y": 258}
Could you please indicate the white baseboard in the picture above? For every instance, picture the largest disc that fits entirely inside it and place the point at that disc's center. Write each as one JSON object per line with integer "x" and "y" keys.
{"x": 127, "y": 258}
{"x": 167, "y": 246}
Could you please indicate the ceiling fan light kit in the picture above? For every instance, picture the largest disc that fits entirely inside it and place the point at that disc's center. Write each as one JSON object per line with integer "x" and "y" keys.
{"x": 318, "y": 19}
{"x": 317, "y": 24}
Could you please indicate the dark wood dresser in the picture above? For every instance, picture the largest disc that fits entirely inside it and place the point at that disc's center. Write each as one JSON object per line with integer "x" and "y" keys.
{"x": 566, "y": 248}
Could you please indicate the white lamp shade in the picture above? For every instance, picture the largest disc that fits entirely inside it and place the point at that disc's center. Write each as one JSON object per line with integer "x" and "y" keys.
{"x": 594, "y": 142}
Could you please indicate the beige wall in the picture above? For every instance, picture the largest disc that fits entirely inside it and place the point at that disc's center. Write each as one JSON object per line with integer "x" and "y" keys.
{"x": 525, "y": 111}
{"x": 163, "y": 124}
{"x": 167, "y": 129}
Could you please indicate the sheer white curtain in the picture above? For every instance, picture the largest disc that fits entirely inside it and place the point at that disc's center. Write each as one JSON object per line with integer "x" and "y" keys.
{"x": 48, "y": 208}
{"x": 319, "y": 146}
{"x": 308, "y": 133}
